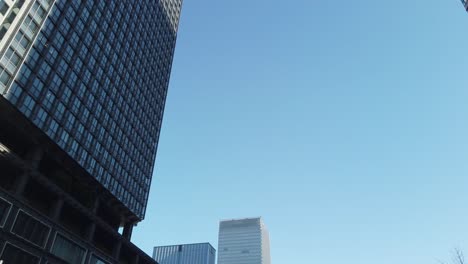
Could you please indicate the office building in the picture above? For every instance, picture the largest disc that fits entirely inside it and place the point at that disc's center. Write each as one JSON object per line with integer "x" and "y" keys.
{"x": 201, "y": 253}
{"x": 83, "y": 85}
{"x": 243, "y": 241}
{"x": 465, "y": 4}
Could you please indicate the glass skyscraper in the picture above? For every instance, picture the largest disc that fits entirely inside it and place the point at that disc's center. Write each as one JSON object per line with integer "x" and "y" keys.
{"x": 93, "y": 76}
{"x": 83, "y": 85}
{"x": 243, "y": 241}
{"x": 201, "y": 253}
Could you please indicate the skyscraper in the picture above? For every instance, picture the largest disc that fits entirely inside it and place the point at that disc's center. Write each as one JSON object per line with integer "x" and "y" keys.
{"x": 243, "y": 241}
{"x": 201, "y": 253}
{"x": 465, "y": 4}
{"x": 83, "y": 85}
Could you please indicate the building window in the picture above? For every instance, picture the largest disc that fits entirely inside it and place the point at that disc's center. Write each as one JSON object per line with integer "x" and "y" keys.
{"x": 30, "y": 25}
{"x": 5, "y": 77}
{"x": 21, "y": 43}
{"x": 3, "y": 7}
{"x": 67, "y": 250}
{"x": 53, "y": 128}
{"x": 12, "y": 58}
{"x": 30, "y": 229}
{"x": 27, "y": 106}
{"x": 14, "y": 93}
{"x": 37, "y": 88}
{"x": 12, "y": 254}
{"x": 96, "y": 260}
{"x": 4, "y": 211}
{"x": 48, "y": 101}
{"x": 40, "y": 118}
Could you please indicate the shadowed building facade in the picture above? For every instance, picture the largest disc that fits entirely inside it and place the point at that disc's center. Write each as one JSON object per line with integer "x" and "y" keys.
{"x": 243, "y": 241}
{"x": 200, "y": 253}
{"x": 83, "y": 85}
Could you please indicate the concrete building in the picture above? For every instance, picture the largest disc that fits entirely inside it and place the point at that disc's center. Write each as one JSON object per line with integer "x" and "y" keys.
{"x": 83, "y": 85}
{"x": 243, "y": 241}
{"x": 200, "y": 253}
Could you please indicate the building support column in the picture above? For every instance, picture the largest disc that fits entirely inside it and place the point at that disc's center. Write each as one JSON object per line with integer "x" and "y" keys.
{"x": 57, "y": 209}
{"x": 90, "y": 230}
{"x": 136, "y": 259}
{"x": 116, "y": 250}
{"x": 34, "y": 156}
{"x": 127, "y": 231}
{"x": 21, "y": 182}
{"x": 96, "y": 204}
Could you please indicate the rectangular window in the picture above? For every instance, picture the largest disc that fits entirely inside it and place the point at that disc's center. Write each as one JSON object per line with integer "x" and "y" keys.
{"x": 3, "y": 7}
{"x": 4, "y": 211}
{"x": 40, "y": 118}
{"x": 37, "y": 88}
{"x": 59, "y": 111}
{"x": 30, "y": 25}
{"x": 27, "y": 106}
{"x": 12, "y": 58}
{"x": 44, "y": 71}
{"x": 12, "y": 254}
{"x": 30, "y": 229}
{"x": 5, "y": 77}
{"x": 14, "y": 93}
{"x": 53, "y": 128}
{"x": 67, "y": 250}
{"x": 21, "y": 43}
{"x": 38, "y": 12}
{"x": 49, "y": 101}
{"x": 96, "y": 260}
{"x": 24, "y": 74}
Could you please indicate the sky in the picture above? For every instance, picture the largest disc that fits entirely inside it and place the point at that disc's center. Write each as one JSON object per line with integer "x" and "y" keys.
{"x": 344, "y": 124}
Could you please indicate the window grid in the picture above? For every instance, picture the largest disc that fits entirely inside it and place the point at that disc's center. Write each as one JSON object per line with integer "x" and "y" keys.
{"x": 98, "y": 74}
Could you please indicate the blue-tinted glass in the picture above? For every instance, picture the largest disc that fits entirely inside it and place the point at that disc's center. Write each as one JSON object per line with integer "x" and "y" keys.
{"x": 98, "y": 74}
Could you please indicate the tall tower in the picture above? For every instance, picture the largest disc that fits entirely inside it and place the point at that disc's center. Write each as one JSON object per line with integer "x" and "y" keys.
{"x": 200, "y": 253}
{"x": 83, "y": 85}
{"x": 243, "y": 241}
{"x": 465, "y": 4}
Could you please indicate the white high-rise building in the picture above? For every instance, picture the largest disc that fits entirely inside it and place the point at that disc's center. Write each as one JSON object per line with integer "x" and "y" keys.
{"x": 243, "y": 241}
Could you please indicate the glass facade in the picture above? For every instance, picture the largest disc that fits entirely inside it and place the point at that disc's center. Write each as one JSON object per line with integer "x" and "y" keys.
{"x": 243, "y": 241}
{"x": 93, "y": 75}
{"x": 202, "y": 253}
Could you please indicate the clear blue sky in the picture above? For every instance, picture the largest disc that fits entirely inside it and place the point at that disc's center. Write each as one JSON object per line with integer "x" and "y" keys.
{"x": 343, "y": 123}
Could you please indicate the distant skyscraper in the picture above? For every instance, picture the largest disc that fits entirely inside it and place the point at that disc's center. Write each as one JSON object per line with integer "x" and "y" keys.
{"x": 465, "y": 4}
{"x": 202, "y": 253}
{"x": 83, "y": 85}
{"x": 243, "y": 241}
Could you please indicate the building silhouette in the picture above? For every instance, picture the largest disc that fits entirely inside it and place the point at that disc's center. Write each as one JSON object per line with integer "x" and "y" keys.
{"x": 200, "y": 253}
{"x": 83, "y": 85}
{"x": 243, "y": 241}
